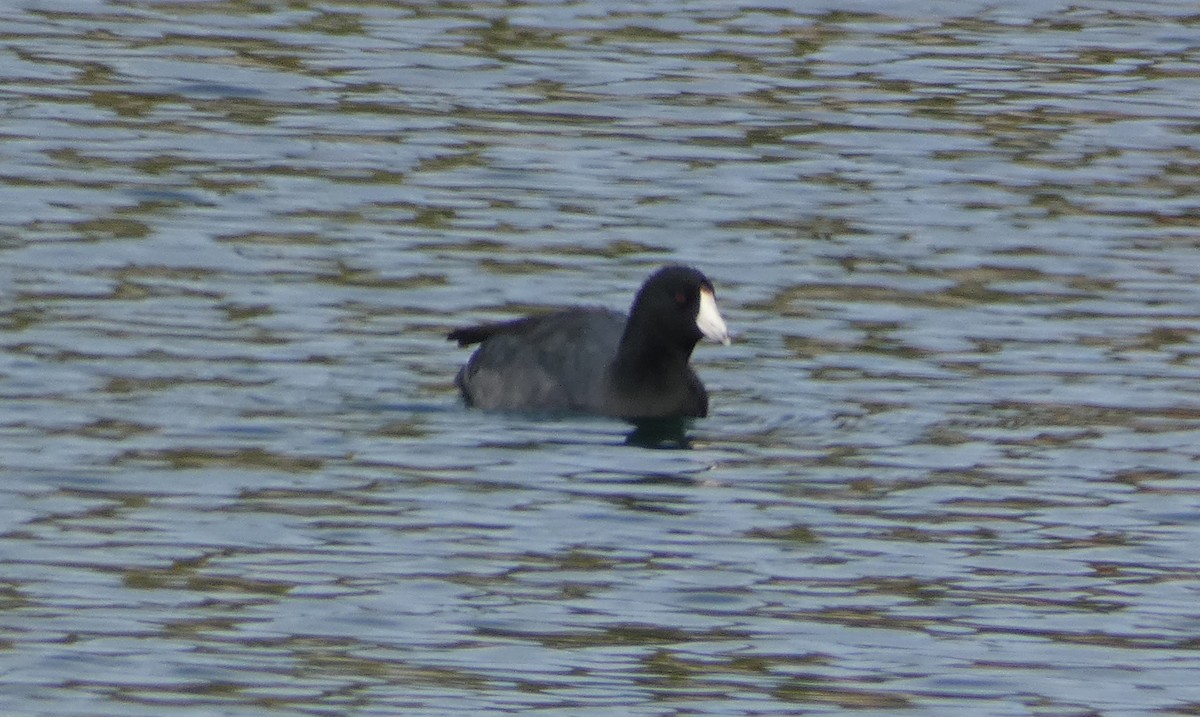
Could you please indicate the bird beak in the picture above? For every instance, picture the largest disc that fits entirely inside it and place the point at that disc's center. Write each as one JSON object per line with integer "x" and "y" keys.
{"x": 709, "y": 320}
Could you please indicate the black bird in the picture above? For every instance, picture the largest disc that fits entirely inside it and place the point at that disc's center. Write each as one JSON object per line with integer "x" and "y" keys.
{"x": 598, "y": 361}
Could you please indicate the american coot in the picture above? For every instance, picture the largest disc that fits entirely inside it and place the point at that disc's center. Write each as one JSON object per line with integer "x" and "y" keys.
{"x": 593, "y": 360}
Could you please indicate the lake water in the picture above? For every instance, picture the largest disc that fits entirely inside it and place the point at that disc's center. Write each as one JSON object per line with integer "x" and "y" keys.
{"x": 951, "y": 462}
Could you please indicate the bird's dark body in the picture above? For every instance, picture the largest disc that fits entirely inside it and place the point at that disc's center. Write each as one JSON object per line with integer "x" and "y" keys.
{"x": 595, "y": 360}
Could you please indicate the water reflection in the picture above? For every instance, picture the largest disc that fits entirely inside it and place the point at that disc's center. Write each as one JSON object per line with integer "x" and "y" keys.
{"x": 665, "y": 433}
{"x": 948, "y": 466}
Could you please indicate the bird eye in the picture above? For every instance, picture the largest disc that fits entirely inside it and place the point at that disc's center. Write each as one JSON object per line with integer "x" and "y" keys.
{"x": 680, "y": 298}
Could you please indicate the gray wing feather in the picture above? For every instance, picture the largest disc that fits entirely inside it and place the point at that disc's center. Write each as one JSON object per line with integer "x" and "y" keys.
{"x": 556, "y": 362}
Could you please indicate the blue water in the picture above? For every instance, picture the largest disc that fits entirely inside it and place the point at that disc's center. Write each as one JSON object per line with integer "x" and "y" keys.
{"x": 950, "y": 466}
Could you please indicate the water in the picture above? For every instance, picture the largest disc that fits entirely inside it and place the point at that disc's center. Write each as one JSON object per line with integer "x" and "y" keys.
{"x": 951, "y": 462}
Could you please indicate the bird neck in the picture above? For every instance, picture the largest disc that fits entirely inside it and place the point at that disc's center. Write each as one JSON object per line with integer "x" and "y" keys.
{"x": 644, "y": 355}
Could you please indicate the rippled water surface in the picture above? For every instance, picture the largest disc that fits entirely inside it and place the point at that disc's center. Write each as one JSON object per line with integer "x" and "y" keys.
{"x": 951, "y": 463}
